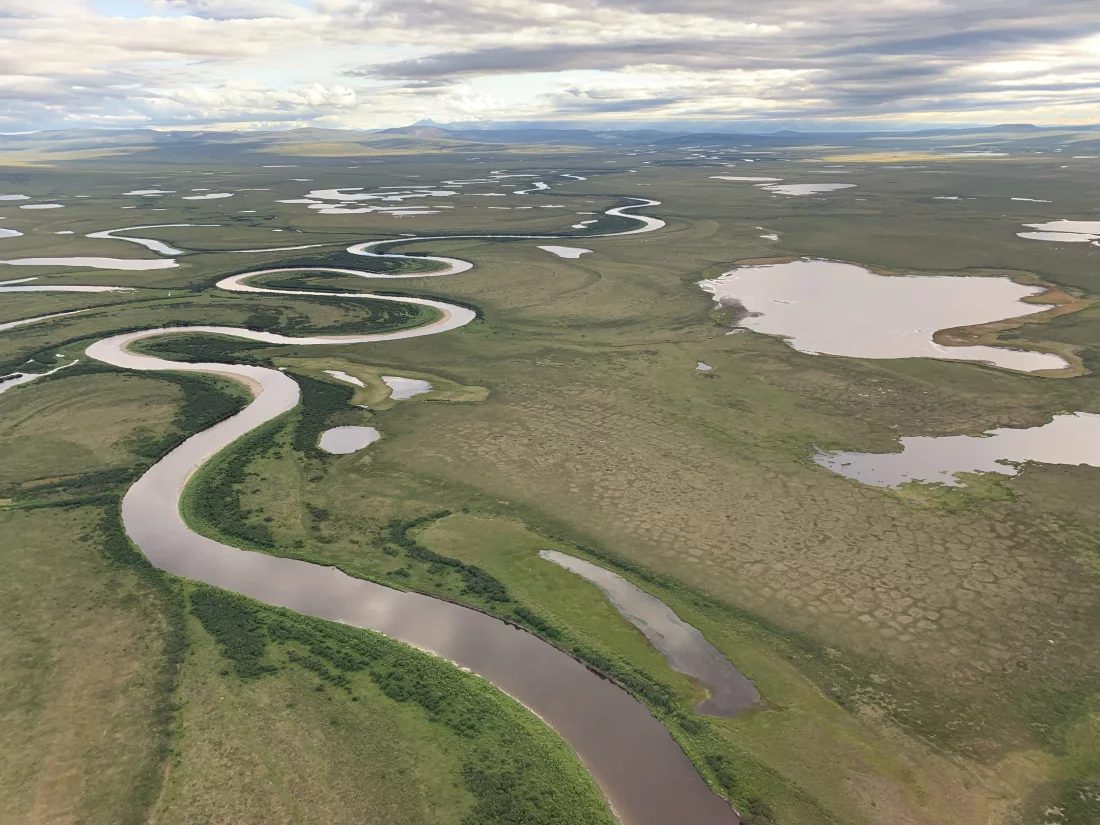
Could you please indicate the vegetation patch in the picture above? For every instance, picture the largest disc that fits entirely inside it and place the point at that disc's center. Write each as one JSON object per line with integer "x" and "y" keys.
{"x": 213, "y": 494}
{"x": 236, "y": 627}
{"x": 478, "y": 583}
{"x": 517, "y": 770}
{"x": 321, "y": 401}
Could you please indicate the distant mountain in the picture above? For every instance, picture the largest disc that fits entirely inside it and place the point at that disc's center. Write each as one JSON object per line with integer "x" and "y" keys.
{"x": 77, "y": 145}
{"x": 419, "y": 129}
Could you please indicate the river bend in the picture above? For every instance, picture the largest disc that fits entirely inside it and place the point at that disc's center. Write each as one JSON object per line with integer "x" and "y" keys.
{"x": 638, "y": 766}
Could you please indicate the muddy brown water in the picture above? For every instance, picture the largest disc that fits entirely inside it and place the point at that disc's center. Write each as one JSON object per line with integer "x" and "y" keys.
{"x": 638, "y": 766}
{"x": 634, "y": 760}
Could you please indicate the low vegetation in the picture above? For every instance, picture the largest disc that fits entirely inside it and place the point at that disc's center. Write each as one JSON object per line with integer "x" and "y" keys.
{"x": 500, "y": 765}
{"x": 516, "y": 774}
{"x": 928, "y": 655}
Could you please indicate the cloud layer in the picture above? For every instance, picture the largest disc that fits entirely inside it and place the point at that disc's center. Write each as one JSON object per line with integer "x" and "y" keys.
{"x": 379, "y": 63}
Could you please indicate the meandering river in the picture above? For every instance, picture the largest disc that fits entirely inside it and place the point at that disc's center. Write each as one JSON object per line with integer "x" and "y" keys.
{"x": 639, "y": 767}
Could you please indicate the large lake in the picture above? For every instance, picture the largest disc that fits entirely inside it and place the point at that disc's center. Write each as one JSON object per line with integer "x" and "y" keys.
{"x": 827, "y": 307}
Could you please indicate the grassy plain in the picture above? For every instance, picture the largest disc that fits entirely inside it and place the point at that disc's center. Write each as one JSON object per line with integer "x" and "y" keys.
{"x": 89, "y": 649}
{"x": 82, "y": 690}
{"x": 928, "y": 656}
{"x": 340, "y": 725}
{"x": 103, "y": 666}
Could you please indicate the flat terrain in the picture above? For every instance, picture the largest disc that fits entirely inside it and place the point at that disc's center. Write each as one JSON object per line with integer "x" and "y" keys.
{"x": 927, "y": 655}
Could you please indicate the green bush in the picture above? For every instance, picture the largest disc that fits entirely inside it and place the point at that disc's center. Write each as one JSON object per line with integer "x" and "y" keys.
{"x": 510, "y": 786}
{"x": 477, "y": 582}
{"x": 213, "y": 496}
{"x": 236, "y": 627}
{"x": 320, "y": 399}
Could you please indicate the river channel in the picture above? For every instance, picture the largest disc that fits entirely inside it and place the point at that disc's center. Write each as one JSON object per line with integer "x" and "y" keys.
{"x": 638, "y": 766}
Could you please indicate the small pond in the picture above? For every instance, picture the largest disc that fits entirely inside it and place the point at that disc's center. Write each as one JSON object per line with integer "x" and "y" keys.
{"x": 797, "y": 189}
{"x": 402, "y": 388}
{"x": 343, "y": 376}
{"x": 565, "y": 251}
{"x": 342, "y": 440}
{"x": 95, "y": 263}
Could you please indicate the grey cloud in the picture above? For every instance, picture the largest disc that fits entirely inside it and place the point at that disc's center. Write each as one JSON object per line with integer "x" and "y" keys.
{"x": 861, "y": 57}
{"x": 801, "y": 58}
{"x": 578, "y": 103}
{"x": 704, "y": 54}
{"x": 234, "y": 9}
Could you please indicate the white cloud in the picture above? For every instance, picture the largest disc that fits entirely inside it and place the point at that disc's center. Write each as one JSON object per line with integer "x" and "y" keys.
{"x": 386, "y": 62}
{"x": 232, "y": 9}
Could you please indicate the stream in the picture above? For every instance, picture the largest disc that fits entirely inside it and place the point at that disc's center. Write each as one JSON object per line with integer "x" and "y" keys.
{"x": 637, "y": 764}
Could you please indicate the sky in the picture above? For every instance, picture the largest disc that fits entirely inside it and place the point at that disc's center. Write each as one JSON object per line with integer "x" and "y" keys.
{"x": 369, "y": 64}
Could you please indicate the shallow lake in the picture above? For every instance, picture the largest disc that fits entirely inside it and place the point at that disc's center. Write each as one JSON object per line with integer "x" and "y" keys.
{"x": 684, "y": 646}
{"x": 343, "y": 440}
{"x": 745, "y": 178}
{"x": 402, "y": 388}
{"x": 565, "y": 251}
{"x": 95, "y": 263}
{"x": 1063, "y": 231}
{"x": 343, "y": 376}
{"x": 1067, "y": 439}
{"x": 826, "y": 307}
{"x": 62, "y": 288}
{"x": 797, "y": 189}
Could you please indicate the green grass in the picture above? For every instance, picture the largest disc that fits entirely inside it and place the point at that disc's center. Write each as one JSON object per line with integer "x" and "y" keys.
{"x": 99, "y": 682}
{"x": 73, "y": 423}
{"x": 514, "y": 770}
{"x": 94, "y": 637}
{"x": 903, "y": 640}
{"x": 88, "y": 661}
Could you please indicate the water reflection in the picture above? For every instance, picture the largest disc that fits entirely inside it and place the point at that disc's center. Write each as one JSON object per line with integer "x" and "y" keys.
{"x": 684, "y": 646}
{"x": 826, "y": 307}
{"x": 403, "y": 388}
{"x": 1067, "y": 439}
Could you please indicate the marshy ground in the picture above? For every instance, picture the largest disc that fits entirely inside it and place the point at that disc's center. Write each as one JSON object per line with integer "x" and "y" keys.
{"x": 928, "y": 655}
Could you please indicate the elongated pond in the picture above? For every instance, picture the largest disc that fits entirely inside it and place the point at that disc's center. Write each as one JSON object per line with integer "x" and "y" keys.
{"x": 16, "y": 379}
{"x": 1067, "y": 439}
{"x": 827, "y": 307}
{"x": 343, "y": 440}
{"x": 639, "y": 767}
{"x": 684, "y": 646}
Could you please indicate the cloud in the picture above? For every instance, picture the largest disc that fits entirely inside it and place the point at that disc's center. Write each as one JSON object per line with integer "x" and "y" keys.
{"x": 386, "y": 62}
{"x": 233, "y": 9}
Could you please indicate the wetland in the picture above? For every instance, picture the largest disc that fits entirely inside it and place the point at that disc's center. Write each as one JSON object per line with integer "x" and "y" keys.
{"x": 926, "y": 661}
